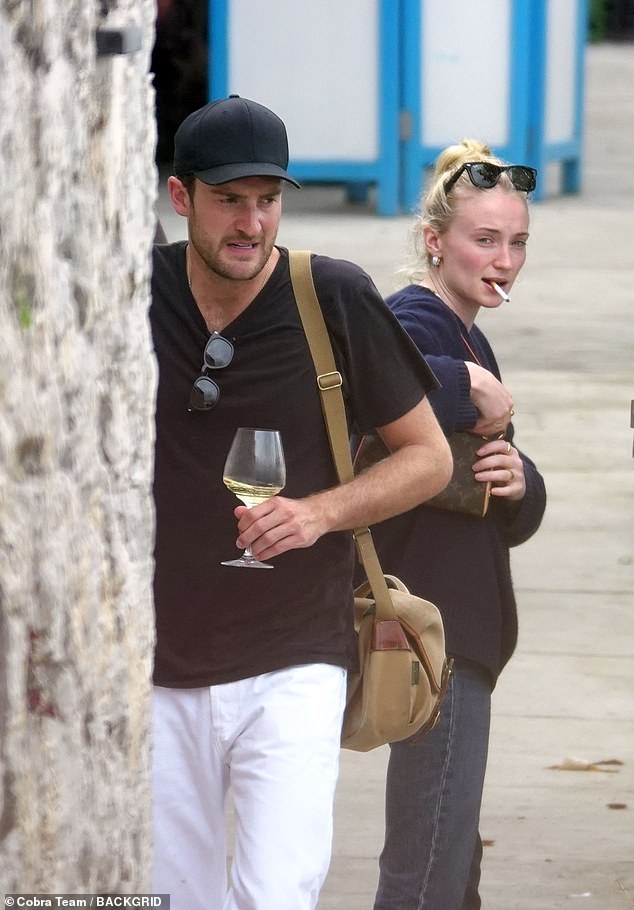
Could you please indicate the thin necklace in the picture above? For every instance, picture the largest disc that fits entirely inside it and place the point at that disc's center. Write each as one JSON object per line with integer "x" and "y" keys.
{"x": 470, "y": 349}
{"x": 459, "y": 323}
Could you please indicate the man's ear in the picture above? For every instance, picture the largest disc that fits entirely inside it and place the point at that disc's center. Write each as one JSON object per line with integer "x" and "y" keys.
{"x": 179, "y": 197}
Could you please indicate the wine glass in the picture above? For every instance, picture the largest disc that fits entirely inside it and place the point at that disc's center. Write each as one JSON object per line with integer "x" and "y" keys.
{"x": 254, "y": 471}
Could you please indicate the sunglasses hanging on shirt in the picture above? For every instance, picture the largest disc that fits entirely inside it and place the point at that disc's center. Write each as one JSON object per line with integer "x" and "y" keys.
{"x": 205, "y": 391}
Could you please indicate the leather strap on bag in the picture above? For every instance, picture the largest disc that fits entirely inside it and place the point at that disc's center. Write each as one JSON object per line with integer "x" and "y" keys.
{"x": 329, "y": 382}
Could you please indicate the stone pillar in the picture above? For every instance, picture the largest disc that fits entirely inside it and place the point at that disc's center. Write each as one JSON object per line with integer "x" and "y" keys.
{"x": 77, "y": 385}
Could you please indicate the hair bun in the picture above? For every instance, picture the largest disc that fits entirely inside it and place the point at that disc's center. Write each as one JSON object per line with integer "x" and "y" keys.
{"x": 466, "y": 150}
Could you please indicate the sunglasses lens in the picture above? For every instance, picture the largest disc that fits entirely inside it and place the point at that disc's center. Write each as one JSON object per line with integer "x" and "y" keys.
{"x": 522, "y": 178}
{"x": 204, "y": 394}
{"x": 218, "y": 352}
{"x": 485, "y": 175}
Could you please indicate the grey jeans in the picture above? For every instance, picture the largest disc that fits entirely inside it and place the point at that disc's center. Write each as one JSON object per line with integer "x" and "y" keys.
{"x": 432, "y": 850}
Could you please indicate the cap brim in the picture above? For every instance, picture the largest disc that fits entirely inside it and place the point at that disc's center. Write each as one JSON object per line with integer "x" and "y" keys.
{"x": 228, "y": 172}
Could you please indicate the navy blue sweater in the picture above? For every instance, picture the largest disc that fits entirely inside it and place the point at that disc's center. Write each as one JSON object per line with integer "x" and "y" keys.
{"x": 460, "y": 562}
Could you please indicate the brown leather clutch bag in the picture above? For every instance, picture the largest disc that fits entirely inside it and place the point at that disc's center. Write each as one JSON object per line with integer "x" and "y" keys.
{"x": 463, "y": 493}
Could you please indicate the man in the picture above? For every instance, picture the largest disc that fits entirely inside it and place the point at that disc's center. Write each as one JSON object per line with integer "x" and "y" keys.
{"x": 250, "y": 666}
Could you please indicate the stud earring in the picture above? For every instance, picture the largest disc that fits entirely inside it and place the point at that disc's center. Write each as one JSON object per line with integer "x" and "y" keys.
{"x": 435, "y": 261}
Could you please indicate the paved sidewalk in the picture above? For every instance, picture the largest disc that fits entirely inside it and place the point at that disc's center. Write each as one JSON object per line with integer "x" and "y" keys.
{"x": 556, "y": 838}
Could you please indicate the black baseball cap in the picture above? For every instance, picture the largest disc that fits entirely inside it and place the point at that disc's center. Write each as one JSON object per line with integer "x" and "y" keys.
{"x": 229, "y": 139}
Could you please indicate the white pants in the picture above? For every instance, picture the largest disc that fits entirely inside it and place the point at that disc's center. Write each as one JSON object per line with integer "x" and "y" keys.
{"x": 275, "y": 739}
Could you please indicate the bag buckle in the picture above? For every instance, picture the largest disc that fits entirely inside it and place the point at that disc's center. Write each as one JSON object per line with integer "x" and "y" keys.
{"x": 332, "y": 380}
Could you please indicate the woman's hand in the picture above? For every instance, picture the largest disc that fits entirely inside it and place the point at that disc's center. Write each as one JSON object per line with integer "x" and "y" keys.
{"x": 500, "y": 463}
{"x": 491, "y": 398}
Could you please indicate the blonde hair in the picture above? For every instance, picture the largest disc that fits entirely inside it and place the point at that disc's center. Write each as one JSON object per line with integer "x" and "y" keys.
{"x": 436, "y": 209}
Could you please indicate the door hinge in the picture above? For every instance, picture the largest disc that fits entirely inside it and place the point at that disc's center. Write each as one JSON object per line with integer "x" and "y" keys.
{"x": 405, "y": 126}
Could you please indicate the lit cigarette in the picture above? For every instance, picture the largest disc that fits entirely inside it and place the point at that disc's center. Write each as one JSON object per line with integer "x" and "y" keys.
{"x": 503, "y": 294}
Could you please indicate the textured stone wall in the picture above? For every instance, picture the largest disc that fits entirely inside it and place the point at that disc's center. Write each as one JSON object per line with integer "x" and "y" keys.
{"x": 76, "y": 400}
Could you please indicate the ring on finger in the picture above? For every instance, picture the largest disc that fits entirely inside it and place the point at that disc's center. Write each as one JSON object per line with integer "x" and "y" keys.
{"x": 508, "y": 448}
{"x": 511, "y": 475}
{"x": 512, "y": 412}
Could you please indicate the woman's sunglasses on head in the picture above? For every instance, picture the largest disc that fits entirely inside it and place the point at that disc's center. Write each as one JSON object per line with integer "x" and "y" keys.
{"x": 485, "y": 175}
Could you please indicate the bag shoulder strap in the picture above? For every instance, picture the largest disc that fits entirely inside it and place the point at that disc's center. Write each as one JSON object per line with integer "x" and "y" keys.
{"x": 329, "y": 382}
{"x": 329, "y": 379}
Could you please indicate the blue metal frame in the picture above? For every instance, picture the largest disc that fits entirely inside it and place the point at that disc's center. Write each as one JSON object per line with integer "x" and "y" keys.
{"x": 357, "y": 174}
{"x": 413, "y": 156}
{"x": 397, "y": 171}
{"x": 541, "y": 152}
{"x": 521, "y": 63}
{"x": 218, "y": 62}
{"x": 418, "y": 155}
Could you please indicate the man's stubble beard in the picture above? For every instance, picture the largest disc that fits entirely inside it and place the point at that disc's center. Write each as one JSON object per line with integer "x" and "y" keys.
{"x": 214, "y": 262}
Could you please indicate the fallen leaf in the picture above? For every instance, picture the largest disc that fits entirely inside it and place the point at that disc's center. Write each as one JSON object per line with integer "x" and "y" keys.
{"x": 487, "y": 842}
{"x": 617, "y": 805}
{"x": 582, "y": 764}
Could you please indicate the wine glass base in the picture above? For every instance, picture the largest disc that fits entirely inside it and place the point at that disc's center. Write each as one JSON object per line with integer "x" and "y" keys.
{"x": 246, "y": 563}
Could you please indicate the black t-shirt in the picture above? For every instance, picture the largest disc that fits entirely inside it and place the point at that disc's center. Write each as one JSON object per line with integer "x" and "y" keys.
{"x": 216, "y": 623}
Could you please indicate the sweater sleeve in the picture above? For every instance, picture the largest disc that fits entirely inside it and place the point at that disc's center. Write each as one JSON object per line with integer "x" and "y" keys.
{"x": 433, "y": 329}
{"x": 452, "y": 402}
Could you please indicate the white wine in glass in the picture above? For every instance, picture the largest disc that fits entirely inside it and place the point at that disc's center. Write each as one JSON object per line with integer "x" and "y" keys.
{"x": 254, "y": 471}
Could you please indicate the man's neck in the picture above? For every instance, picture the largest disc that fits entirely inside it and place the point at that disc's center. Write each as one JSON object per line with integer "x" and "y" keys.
{"x": 221, "y": 300}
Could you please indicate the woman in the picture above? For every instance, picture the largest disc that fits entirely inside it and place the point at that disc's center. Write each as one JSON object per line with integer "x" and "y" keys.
{"x": 471, "y": 238}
